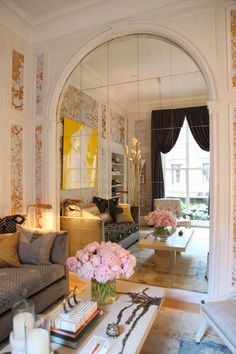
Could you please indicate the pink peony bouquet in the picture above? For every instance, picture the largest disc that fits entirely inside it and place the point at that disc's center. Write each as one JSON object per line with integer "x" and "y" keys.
{"x": 102, "y": 262}
{"x": 161, "y": 218}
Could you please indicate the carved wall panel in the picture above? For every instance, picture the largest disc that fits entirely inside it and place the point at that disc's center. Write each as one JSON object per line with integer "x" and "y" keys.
{"x": 233, "y": 45}
{"x": 38, "y": 172}
{"x": 80, "y": 107}
{"x": 17, "y": 86}
{"x": 16, "y": 169}
{"x": 117, "y": 128}
{"x": 39, "y": 84}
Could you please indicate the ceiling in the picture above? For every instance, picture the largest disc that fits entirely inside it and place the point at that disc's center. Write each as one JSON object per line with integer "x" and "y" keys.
{"x": 160, "y": 77}
{"x": 38, "y": 11}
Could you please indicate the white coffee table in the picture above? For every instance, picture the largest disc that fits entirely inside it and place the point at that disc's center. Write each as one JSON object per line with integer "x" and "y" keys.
{"x": 174, "y": 243}
{"x": 138, "y": 335}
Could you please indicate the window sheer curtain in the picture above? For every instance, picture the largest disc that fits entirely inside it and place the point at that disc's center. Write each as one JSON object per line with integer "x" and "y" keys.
{"x": 165, "y": 128}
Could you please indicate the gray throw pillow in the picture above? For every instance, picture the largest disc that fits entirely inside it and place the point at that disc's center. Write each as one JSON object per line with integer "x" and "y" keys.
{"x": 59, "y": 253}
{"x": 35, "y": 245}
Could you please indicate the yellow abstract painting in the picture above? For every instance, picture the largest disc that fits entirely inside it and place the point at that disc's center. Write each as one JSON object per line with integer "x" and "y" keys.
{"x": 80, "y": 152}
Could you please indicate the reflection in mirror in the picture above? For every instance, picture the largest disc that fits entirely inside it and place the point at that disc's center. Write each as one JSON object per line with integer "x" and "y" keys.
{"x": 94, "y": 68}
{"x": 80, "y": 149}
{"x": 113, "y": 91}
{"x": 123, "y": 60}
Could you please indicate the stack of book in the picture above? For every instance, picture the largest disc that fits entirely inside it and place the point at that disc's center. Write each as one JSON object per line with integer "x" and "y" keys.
{"x": 68, "y": 328}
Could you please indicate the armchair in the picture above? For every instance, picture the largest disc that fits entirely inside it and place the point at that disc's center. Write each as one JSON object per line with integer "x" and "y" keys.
{"x": 173, "y": 205}
{"x": 220, "y": 314}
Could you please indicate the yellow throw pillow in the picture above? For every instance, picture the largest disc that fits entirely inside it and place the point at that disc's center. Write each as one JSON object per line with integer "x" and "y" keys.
{"x": 8, "y": 250}
{"x": 127, "y": 212}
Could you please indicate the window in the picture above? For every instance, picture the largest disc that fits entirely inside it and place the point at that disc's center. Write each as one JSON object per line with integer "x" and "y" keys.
{"x": 176, "y": 173}
{"x": 205, "y": 172}
{"x": 187, "y": 171}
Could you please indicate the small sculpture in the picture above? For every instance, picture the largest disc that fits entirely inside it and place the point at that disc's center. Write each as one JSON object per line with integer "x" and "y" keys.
{"x": 113, "y": 330}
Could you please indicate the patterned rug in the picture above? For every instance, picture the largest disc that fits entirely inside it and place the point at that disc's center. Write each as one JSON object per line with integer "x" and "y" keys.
{"x": 189, "y": 271}
{"x": 173, "y": 332}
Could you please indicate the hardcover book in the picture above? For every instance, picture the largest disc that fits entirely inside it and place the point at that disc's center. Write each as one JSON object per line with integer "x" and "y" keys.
{"x": 71, "y": 339}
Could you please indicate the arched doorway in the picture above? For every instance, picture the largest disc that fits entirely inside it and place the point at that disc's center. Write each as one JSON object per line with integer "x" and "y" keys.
{"x": 209, "y": 80}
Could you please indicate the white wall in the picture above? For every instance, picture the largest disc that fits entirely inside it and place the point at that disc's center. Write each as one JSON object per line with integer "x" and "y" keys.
{"x": 16, "y": 174}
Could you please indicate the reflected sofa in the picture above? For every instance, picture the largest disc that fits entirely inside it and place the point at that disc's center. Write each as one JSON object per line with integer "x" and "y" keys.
{"x": 120, "y": 221}
{"x": 97, "y": 222}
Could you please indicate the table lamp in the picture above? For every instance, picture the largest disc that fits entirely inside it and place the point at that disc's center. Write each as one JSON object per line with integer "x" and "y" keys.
{"x": 38, "y": 206}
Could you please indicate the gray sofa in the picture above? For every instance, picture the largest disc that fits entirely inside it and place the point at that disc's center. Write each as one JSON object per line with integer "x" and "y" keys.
{"x": 124, "y": 233}
{"x": 43, "y": 284}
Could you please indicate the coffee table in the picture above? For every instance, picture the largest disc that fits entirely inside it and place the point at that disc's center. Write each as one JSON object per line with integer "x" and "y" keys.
{"x": 138, "y": 335}
{"x": 174, "y": 243}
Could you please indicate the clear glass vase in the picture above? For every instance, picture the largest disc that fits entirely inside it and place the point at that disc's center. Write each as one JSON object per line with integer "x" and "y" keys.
{"x": 103, "y": 293}
{"x": 161, "y": 233}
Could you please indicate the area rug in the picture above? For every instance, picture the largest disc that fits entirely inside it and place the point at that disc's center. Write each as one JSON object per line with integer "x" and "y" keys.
{"x": 173, "y": 332}
{"x": 188, "y": 273}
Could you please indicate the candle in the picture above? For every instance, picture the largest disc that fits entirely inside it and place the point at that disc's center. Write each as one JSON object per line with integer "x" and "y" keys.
{"x": 17, "y": 345}
{"x": 37, "y": 341}
{"x": 19, "y": 324}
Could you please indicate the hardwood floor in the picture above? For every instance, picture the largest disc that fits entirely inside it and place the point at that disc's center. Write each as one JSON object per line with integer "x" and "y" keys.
{"x": 181, "y": 305}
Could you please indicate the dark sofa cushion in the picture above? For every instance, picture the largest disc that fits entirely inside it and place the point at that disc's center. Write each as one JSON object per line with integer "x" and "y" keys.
{"x": 117, "y": 232}
{"x": 108, "y": 205}
{"x": 8, "y": 223}
{"x": 101, "y": 204}
{"x": 20, "y": 283}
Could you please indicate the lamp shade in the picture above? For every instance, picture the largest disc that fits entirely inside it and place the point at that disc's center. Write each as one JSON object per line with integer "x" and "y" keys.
{"x": 39, "y": 206}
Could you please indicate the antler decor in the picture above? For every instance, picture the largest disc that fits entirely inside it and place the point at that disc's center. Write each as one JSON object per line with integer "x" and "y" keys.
{"x": 136, "y": 164}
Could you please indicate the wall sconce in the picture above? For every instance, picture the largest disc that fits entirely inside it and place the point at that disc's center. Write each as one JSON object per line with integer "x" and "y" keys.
{"x": 38, "y": 206}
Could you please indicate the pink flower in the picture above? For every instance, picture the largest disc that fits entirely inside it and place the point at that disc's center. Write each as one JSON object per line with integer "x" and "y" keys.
{"x": 103, "y": 262}
{"x": 122, "y": 253}
{"x": 116, "y": 270}
{"x": 128, "y": 269}
{"x": 160, "y": 218}
{"x": 87, "y": 270}
{"x": 72, "y": 263}
{"x": 82, "y": 256}
{"x": 106, "y": 256}
{"x": 95, "y": 260}
{"x": 91, "y": 247}
{"x": 103, "y": 273}
{"x": 132, "y": 260}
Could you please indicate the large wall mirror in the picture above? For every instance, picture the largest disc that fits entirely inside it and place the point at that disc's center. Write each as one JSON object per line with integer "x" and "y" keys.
{"x": 112, "y": 93}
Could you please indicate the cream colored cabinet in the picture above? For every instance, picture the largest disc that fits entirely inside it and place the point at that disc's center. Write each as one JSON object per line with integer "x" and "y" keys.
{"x": 82, "y": 230}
